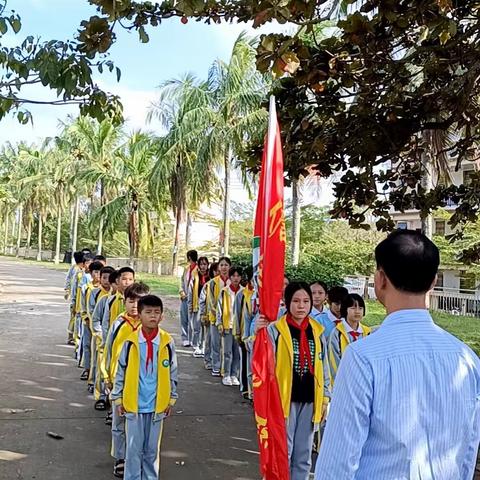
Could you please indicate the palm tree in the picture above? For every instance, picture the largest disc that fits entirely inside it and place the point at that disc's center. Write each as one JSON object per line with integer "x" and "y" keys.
{"x": 183, "y": 109}
{"x": 237, "y": 91}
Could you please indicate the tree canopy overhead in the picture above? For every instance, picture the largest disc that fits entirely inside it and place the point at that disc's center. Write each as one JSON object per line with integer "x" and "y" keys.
{"x": 391, "y": 91}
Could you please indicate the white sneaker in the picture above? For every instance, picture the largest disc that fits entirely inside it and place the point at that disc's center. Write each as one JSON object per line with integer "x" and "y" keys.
{"x": 215, "y": 373}
{"x": 186, "y": 343}
{"x": 198, "y": 353}
{"x": 235, "y": 381}
{"x": 227, "y": 381}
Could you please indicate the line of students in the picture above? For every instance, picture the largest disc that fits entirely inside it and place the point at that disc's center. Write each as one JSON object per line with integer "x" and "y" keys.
{"x": 129, "y": 363}
{"x": 220, "y": 319}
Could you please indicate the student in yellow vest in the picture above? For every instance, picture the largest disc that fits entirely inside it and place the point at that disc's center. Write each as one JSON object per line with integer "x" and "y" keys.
{"x": 214, "y": 288}
{"x": 146, "y": 389}
{"x": 98, "y": 293}
{"x": 301, "y": 368}
{"x": 349, "y": 330}
{"x": 227, "y": 321}
{"x": 200, "y": 277}
{"x": 203, "y": 313}
{"x": 126, "y": 277}
{"x": 125, "y": 325}
{"x": 192, "y": 257}
{"x": 93, "y": 281}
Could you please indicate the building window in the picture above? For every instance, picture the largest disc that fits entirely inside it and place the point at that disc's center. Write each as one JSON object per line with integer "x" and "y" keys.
{"x": 467, "y": 282}
{"x": 440, "y": 227}
{"x": 439, "y": 283}
{"x": 402, "y": 225}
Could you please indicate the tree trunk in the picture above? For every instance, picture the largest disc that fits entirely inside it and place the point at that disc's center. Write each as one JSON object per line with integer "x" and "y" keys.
{"x": 70, "y": 229}
{"x": 100, "y": 236}
{"x": 176, "y": 241}
{"x": 14, "y": 229}
{"x": 133, "y": 234}
{"x": 19, "y": 231}
{"x": 296, "y": 218}
{"x": 188, "y": 232}
{"x": 76, "y": 214}
{"x": 5, "y": 239}
{"x": 151, "y": 243}
{"x": 59, "y": 234}
{"x": 226, "y": 206}
{"x": 29, "y": 236}
{"x": 40, "y": 233}
{"x": 427, "y": 184}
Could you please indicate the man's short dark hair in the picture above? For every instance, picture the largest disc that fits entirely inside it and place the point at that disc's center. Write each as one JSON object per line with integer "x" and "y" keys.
{"x": 99, "y": 258}
{"x": 86, "y": 250}
{"x": 136, "y": 290}
{"x": 409, "y": 259}
{"x": 149, "y": 301}
{"x": 234, "y": 270}
{"x": 113, "y": 276}
{"x": 106, "y": 270}
{"x": 87, "y": 257}
{"x": 95, "y": 266}
{"x": 349, "y": 301}
{"x": 192, "y": 255}
{"x": 337, "y": 294}
{"x": 126, "y": 270}
{"x": 78, "y": 257}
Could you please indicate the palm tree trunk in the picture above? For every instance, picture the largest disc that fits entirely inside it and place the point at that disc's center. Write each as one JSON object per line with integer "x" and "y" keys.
{"x": 133, "y": 232}
{"x": 176, "y": 241}
{"x": 226, "y": 206}
{"x": 427, "y": 184}
{"x": 70, "y": 229}
{"x": 100, "y": 236}
{"x": 151, "y": 242}
{"x": 188, "y": 232}
{"x": 40, "y": 233}
{"x": 29, "y": 236}
{"x": 19, "y": 231}
{"x": 75, "y": 225}
{"x": 14, "y": 229}
{"x": 59, "y": 233}
{"x": 296, "y": 218}
{"x": 5, "y": 241}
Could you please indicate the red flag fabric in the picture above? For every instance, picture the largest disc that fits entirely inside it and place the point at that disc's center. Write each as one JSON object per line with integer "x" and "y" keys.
{"x": 269, "y": 260}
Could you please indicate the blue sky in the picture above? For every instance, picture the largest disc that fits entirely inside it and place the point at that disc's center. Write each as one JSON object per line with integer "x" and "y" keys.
{"x": 173, "y": 49}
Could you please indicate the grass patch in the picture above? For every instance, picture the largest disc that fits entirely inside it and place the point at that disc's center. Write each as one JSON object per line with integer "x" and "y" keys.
{"x": 164, "y": 285}
{"x": 466, "y": 329}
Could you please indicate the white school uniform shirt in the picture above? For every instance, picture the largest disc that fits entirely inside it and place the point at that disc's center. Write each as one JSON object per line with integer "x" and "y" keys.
{"x": 349, "y": 329}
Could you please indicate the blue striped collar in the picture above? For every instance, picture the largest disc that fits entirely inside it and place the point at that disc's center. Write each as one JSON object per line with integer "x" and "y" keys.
{"x": 414, "y": 315}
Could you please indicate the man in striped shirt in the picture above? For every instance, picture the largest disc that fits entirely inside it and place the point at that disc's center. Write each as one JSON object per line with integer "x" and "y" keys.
{"x": 406, "y": 399}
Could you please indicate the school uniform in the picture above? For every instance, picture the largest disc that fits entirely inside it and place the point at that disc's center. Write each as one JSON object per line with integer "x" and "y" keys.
{"x": 121, "y": 329}
{"x": 203, "y": 315}
{"x": 338, "y": 341}
{"x": 214, "y": 288}
{"x": 327, "y": 319}
{"x": 72, "y": 272}
{"x": 86, "y": 329}
{"x": 227, "y": 318}
{"x": 302, "y": 372}
{"x": 195, "y": 288}
{"x": 185, "y": 281}
{"x": 75, "y": 304}
{"x": 146, "y": 385}
{"x": 250, "y": 314}
{"x": 243, "y": 307}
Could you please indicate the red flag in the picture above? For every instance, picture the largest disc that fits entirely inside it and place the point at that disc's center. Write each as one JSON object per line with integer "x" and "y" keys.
{"x": 269, "y": 260}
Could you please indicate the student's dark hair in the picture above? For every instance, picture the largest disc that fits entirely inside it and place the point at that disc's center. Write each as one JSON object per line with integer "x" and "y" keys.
{"x": 248, "y": 272}
{"x": 192, "y": 255}
{"x": 212, "y": 269}
{"x": 113, "y": 276}
{"x": 234, "y": 270}
{"x": 337, "y": 294}
{"x": 86, "y": 250}
{"x": 88, "y": 257}
{"x": 78, "y": 257}
{"x": 95, "y": 266}
{"x": 409, "y": 259}
{"x": 149, "y": 301}
{"x": 203, "y": 259}
{"x": 321, "y": 283}
{"x": 226, "y": 259}
{"x": 108, "y": 270}
{"x": 136, "y": 290}
{"x": 294, "y": 287}
{"x": 349, "y": 301}
{"x": 99, "y": 258}
{"x": 126, "y": 270}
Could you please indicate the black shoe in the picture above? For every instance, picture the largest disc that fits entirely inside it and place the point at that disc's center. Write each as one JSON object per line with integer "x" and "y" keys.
{"x": 119, "y": 468}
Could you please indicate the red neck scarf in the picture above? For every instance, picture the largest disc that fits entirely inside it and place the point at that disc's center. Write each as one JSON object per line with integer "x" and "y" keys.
{"x": 203, "y": 279}
{"x": 149, "y": 338}
{"x": 337, "y": 321}
{"x": 224, "y": 279}
{"x": 355, "y": 335}
{"x": 134, "y": 324}
{"x": 234, "y": 289}
{"x": 305, "y": 355}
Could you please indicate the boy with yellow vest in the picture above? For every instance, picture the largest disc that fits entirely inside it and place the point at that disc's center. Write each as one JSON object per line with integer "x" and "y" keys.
{"x": 116, "y": 306}
{"x": 227, "y": 321}
{"x": 301, "y": 368}
{"x": 199, "y": 278}
{"x": 204, "y": 318}
{"x": 192, "y": 257}
{"x": 349, "y": 330}
{"x": 122, "y": 328}
{"x": 214, "y": 288}
{"x": 146, "y": 389}
{"x": 70, "y": 278}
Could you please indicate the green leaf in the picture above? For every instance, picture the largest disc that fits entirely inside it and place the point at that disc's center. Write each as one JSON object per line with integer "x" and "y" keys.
{"x": 3, "y": 26}
{"x": 144, "y": 38}
{"x": 119, "y": 73}
{"x": 15, "y": 23}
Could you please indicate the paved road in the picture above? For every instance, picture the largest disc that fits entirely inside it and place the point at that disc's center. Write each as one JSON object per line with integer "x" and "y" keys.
{"x": 211, "y": 436}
